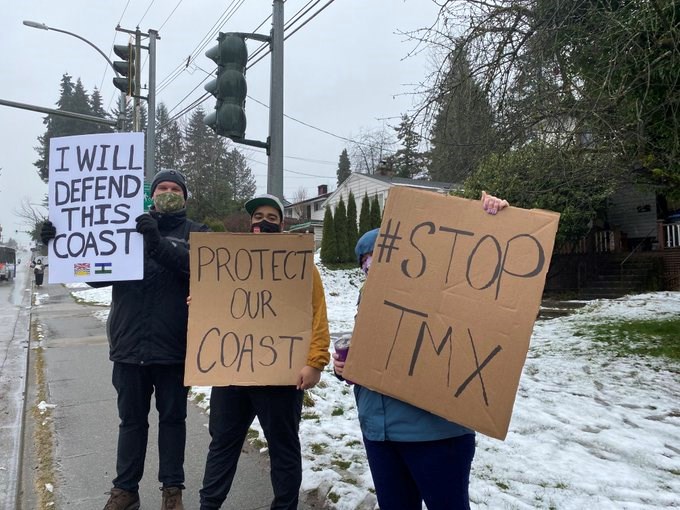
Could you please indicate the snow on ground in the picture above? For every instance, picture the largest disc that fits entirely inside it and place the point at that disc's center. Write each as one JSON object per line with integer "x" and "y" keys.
{"x": 589, "y": 429}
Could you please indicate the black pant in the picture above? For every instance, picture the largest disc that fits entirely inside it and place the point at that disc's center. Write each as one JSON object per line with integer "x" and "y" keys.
{"x": 135, "y": 384}
{"x": 407, "y": 473}
{"x": 39, "y": 278}
{"x": 232, "y": 410}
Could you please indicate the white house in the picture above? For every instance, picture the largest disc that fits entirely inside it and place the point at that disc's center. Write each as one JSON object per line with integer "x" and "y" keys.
{"x": 307, "y": 215}
{"x": 379, "y": 185}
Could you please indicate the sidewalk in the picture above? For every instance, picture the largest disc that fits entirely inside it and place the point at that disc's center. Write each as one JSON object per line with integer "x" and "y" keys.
{"x": 78, "y": 376}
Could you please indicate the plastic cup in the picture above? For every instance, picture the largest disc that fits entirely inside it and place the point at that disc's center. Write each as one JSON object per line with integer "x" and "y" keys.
{"x": 341, "y": 346}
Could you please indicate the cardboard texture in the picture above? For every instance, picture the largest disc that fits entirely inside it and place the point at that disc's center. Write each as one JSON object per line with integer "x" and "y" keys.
{"x": 250, "y": 319}
{"x": 449, "y": 306}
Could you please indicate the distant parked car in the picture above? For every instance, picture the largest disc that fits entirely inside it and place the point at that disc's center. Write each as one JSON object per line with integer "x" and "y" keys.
{"x": 8, "y": 263}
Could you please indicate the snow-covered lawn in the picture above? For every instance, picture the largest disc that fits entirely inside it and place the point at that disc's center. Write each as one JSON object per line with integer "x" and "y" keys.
{"x": 590, "y": 430}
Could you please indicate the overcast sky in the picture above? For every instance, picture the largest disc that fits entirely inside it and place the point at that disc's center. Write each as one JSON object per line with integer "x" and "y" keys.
{"x": 346, "y": 71}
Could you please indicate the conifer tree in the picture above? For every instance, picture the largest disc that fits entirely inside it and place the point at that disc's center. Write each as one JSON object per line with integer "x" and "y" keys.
{"x": 169, "y": 143}
{"x": 72, "y": 98}
{"x": 344, "y": 167}
{"x": 352, "y": 232}
{"x": 340, "y": 223}
{"x": 97, "y": 109}
{"x": 329, "y": 253}
{"x": 204, "y": 164}
{"x": 365, "y": 215}
{"x": 376, "y": 216}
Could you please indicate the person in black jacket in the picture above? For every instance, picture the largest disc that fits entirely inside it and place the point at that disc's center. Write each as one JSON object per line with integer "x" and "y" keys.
{"x": 147, "y": 331}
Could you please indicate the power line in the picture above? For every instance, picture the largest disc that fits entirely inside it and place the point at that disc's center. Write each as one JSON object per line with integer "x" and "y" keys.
{"x": 145, "y": 13}
{"x": 221, "y": 21}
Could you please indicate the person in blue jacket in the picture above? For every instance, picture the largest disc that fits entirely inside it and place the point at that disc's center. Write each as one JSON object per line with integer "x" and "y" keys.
{"x": 414, "y": 455}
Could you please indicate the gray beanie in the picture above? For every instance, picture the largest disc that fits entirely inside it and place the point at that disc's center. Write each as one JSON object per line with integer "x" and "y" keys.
{"x": 172, "y": 176}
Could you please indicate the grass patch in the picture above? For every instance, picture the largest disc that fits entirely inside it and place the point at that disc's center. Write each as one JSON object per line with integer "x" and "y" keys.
{"x": 342, "y": 464}
{"x": 307, "y": 400}
{"x": 43, "y": 436}
{"x": 502, "y": 485}
{"x": 353, "y": 442}
{"x": 342, "y": 265}
{"x": 318, "y": 448}
{"x": 333, "y": 497}
{"x": 657, "y": 338}
{"x": 310, "y": 416}
{"x": 338, "y": 411}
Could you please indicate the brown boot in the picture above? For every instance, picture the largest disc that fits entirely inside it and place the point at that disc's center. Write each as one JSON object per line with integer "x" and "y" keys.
{"x": 122, "y": 500}
{"x": 172, "y": 498}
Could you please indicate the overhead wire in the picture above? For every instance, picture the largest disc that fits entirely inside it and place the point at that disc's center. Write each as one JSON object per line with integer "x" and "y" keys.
{"x": 294, "y": 19}
{"x": 231, "y": 9}
{"x": 106, "y": 69}
{"x": 145, "y": 13}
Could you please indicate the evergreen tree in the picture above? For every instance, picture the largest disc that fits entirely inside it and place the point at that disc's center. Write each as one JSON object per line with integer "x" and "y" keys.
{"x": 344, "y": 167}
{"x": 376, "y": 216}
{"x": 352, "y": 232}
{"x": 463, "y": 132}
{"x": 127, "y": 116}
{"x": 407, "y": 161}
{"x": 204, "y": 166}
{"x": 72, "y": 98}
{"x": 169, "y": 143}
{"x": 240, "y": 178}
{"x": 97, "y": 109}
{"x": 365, "y": 215}
{"x": 329, "y": 251}
{"x": 340, "y": 224}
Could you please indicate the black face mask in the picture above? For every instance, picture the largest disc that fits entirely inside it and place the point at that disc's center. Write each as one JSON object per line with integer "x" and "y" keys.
{"x": 265, "y": 227}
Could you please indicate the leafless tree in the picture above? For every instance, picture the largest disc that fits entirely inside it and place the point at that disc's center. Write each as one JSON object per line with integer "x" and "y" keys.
{"x": 369, "y": 148}
{"x": 299, "y": 195}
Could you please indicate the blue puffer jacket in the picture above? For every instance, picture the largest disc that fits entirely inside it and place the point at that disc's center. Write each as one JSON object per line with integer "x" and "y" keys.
{"x": 384, "y": 418}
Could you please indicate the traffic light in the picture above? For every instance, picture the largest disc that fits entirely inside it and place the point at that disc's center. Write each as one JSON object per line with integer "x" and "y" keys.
{"x": 125, "y": 68}
{"x": 230, "y": 89}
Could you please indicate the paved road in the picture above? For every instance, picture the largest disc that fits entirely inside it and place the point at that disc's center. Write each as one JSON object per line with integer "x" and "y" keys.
{"x": 14, "y": 320}
{"x": 78, "y": 375}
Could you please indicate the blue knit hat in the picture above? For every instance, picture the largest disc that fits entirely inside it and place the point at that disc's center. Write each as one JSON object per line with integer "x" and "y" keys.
{"x": 365, "y": 244}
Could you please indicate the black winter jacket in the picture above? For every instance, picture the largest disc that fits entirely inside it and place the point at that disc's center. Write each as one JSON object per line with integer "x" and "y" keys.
{"x": 148, "y": 319}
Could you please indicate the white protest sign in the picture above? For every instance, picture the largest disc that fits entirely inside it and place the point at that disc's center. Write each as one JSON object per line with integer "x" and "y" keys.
{"x": 96, "y": 190}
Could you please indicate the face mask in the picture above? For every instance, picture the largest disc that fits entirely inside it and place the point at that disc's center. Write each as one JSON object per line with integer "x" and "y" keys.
{"x": 168, "y": 202}
{"x": 265, "y": 227}
{"x": 366, "y": 264}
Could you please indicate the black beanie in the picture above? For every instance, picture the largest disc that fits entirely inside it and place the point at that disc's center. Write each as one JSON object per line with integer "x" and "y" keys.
{"x": 172, "y": 176}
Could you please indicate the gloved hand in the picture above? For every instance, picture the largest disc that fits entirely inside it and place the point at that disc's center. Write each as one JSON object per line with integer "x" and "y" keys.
{"x": 47, "y": 232}
{"x": 148, "y": 227}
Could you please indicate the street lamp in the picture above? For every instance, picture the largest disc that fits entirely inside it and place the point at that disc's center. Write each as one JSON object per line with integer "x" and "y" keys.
{"x": 43, "y": 26}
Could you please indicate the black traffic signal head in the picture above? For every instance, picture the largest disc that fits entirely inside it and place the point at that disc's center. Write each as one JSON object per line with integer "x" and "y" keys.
{"x": 229, "y": 88}
{"x": 125, "y": 68}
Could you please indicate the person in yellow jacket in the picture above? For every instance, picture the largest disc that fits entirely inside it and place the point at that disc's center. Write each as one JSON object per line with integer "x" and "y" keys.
{"x": 278, "y": 408}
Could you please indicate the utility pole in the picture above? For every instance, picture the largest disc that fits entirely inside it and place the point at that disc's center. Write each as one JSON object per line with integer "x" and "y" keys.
{"x": 136, "y": 106}
{"x": 150, "y": 163}
{"x": 136, "y": 87}
{"x": 275, "y": 166}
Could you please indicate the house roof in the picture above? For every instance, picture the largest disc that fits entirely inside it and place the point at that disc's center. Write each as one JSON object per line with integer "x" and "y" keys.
{"x": 417, "y": 183}
{"x": 308, "y": 200}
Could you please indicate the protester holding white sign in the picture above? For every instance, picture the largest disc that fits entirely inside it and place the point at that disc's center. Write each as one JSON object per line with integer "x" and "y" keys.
{"x": 96, "y": 190}
{"x": 147, "y": 330}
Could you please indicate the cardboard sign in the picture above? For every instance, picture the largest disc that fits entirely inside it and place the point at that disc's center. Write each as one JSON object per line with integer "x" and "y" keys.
{"x": 250, "y": 319}
{"x": 96, "y": 190}
{"x": 449, "y": 306}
